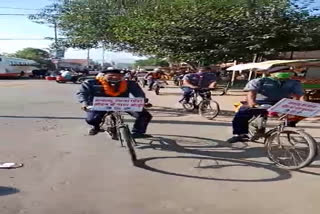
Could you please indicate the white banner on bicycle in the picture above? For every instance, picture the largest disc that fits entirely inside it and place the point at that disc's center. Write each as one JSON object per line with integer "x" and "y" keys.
{"x": 118, "y": 104}
{"x": 296, "y": 107}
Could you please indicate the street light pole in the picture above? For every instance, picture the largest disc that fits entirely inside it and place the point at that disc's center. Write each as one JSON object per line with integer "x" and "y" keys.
{"x": 56, "y": 43}
{"x": 103, "y": 51}
{"x": 88, "y": 57}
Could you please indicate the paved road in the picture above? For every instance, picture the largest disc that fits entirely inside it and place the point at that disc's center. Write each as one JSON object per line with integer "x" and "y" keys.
{"x": 187, "y": 169}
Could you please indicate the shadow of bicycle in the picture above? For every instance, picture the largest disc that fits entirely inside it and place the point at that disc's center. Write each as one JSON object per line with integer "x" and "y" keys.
{"x": 7, "y": 190}
{"x": 203, "y": 158}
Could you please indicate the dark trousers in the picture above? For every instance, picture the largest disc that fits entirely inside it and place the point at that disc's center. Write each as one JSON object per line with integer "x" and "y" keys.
{"x": 240, "y": 123}
{"x": 143, "y": 118}
{"x": 150, "y": 83}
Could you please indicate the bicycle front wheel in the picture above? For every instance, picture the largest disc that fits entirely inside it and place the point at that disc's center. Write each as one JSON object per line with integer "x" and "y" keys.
{"x": 111, "y": 128}
{"x": 209, "y": 109}
{"x": 291, "y": 148}
{"x": 190, "y": 106}
{"x": 127, "y": 138}
{"x": 157, "y": 90}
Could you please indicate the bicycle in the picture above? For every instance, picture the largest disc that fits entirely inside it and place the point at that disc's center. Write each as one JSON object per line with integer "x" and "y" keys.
{"x": 288, "y": 147}
{"x": 207, "y": 107}
{"x": 142, "y": 82}
{"x": 114, "y": 125}
{"x": 157, "y": 85}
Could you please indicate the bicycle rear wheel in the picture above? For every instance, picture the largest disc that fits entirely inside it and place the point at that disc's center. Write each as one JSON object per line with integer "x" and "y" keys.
{"x": 127, "y": 138}
{"x": 157, "y": 90}
{"x": 291, "y": 148}
{"x": 209, "y": 109}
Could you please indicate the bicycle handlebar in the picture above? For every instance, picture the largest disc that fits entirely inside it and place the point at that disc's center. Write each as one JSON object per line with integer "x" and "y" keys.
{"x": 263, "y": 107}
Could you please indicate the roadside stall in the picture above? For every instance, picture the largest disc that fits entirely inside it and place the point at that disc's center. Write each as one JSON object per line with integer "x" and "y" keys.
{"x": 307, "y": 71}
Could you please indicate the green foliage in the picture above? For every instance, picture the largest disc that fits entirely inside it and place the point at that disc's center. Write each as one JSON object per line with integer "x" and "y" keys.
{"x": 151, "y": 62}
{"x": 38, "y": 55}
{"x": 196, "y": 31}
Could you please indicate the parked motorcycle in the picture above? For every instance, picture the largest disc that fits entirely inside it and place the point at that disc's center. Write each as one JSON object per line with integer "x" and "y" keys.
{"x": 74, "y": 79}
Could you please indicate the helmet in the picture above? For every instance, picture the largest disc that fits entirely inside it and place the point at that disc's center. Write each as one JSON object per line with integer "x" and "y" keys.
{"x": 157, "y": 70}
{"x": 279, "y": 69}
{"x": 110, "y": 68}
{"x": 281, "y": 72}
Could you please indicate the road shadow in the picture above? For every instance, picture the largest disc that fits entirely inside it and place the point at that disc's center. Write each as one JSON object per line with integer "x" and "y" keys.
{"x": 279, "y": 173}
{"x": 170, "y": 93}
{"x": 192, "y": 148}
{"x": 8, "y": 190}
{"x": 212, "y": 148}
{"x": 234, "y": 95}
{"x": 158, "y": 111}
{"x": 183, "y": 122}
{"x": 41, "y": 117}
{"x": 227, "y": 113}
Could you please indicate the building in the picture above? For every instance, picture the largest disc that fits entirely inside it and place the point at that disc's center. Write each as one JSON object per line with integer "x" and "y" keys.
{"x": 75, "y": 64}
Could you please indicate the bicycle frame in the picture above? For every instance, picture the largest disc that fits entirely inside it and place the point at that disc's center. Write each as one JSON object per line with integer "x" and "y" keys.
{"x": 205, "y": 95}
{"x": 261, "y": 122}
{"x": 119, "y": 123}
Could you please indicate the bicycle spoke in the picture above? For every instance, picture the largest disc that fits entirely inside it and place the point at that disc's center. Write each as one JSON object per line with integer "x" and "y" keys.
{"x": 296, "y": 154}
{"x": 290, "y": 149}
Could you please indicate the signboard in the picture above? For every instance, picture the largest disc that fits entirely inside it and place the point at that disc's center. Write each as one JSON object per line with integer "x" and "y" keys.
{"x": 296, "y": 107}
{"x": 59, "y": 53}
{"x": 55, "y": 61}
{"x": 118, "y": 104}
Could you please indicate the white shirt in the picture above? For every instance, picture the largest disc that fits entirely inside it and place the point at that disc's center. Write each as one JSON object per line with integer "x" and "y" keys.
{"x": 66, "y": 73}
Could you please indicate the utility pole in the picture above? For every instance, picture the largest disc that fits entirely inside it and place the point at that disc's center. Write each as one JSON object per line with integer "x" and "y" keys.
{"x": 56, "y": 37}
{"x": 103, "y": 51}
{"x": 56, "y": 44}
{"x": 88, "y": 57}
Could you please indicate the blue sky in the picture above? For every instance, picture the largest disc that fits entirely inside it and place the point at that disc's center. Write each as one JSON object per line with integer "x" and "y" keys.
{"x": 20, "y": 27}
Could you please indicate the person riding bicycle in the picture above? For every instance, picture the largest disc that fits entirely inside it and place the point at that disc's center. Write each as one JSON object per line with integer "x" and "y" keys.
{"x": 202, "y": 79}
{"x": 264, "y": 91}
{"x": 112, "y": 84}
{"x": 151, "y": 77}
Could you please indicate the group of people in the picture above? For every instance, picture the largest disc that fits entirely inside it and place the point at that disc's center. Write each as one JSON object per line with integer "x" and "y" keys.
{"x": 266, "y": 90}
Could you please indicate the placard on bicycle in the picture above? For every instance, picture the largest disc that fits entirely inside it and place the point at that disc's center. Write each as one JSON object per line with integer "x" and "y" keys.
{"x": 296, "y": 107}
{"x": 118, "y": 104}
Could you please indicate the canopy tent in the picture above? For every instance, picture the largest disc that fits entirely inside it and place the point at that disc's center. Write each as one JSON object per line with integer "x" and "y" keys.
{"x": 263, "y": 66}
{"x": 269, "y": 64}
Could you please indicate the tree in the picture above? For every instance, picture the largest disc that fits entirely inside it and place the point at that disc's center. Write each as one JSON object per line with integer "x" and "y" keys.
{"x": 40, "y": 56}
{"x": 50, "y": 16}
{"x": 197, "y": 31}
{"x": 151, "y": 62}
